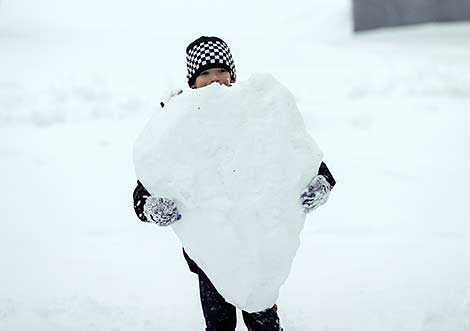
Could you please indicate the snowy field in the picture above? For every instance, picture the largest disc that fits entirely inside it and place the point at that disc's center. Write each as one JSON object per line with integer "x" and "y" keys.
{"x": 390, "y": 109}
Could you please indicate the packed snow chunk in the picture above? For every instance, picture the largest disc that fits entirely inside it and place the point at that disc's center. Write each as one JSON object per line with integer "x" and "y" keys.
{"x": 235, "y": 160}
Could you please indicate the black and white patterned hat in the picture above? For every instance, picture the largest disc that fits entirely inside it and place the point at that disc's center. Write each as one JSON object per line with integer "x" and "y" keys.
{"x": 207, "y": 53}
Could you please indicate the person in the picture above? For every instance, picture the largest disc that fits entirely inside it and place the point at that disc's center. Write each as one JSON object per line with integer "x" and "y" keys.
{"x": 209, "y": 61}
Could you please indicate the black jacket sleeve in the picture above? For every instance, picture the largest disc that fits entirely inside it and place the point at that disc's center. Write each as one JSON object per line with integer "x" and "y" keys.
{"x": 140, "y": 196}
{"x": 325, "y": 172}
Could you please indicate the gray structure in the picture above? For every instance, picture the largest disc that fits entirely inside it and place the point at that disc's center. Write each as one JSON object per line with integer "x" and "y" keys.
{"x": 371, "y": 14}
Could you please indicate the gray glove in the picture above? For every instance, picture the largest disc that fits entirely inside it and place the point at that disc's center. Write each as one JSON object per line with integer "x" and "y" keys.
{"x": 316, "y": 193}
{"x": 161, "y": 211}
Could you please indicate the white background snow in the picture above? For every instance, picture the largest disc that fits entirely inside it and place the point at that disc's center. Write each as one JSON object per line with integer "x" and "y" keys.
{"x": 390, "y": 109}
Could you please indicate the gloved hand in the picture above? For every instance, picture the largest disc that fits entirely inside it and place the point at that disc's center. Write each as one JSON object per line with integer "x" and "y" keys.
{"x": 316, "y": 193}
{"x": 161, "y": 211}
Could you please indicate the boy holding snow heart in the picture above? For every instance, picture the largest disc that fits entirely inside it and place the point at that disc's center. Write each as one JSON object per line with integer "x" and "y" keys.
{"x": 209, "y": 61}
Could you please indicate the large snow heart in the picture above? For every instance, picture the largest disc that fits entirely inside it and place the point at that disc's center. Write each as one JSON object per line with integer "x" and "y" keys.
{"x": 235, "y": 160}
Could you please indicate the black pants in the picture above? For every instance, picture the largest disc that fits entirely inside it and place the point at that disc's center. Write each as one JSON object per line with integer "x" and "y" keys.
{"x": 221, "y": 315}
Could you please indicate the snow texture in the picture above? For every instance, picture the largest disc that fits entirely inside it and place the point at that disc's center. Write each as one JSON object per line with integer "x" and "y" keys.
{"x": 235, "y": 160}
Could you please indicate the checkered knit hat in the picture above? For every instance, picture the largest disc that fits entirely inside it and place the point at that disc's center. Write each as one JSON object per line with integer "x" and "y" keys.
{"x": 207, "y": 53}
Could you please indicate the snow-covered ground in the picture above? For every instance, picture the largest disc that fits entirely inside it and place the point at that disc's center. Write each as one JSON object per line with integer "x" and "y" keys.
{"x": 390, "y": 109}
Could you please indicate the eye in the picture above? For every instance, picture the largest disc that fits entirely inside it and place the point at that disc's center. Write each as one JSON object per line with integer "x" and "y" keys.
{"x": 222, "y": 70}
{"x": 204, "y": 73}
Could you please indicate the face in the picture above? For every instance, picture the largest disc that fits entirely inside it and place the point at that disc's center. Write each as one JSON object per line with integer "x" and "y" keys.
{"x": 209, "y": 76}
